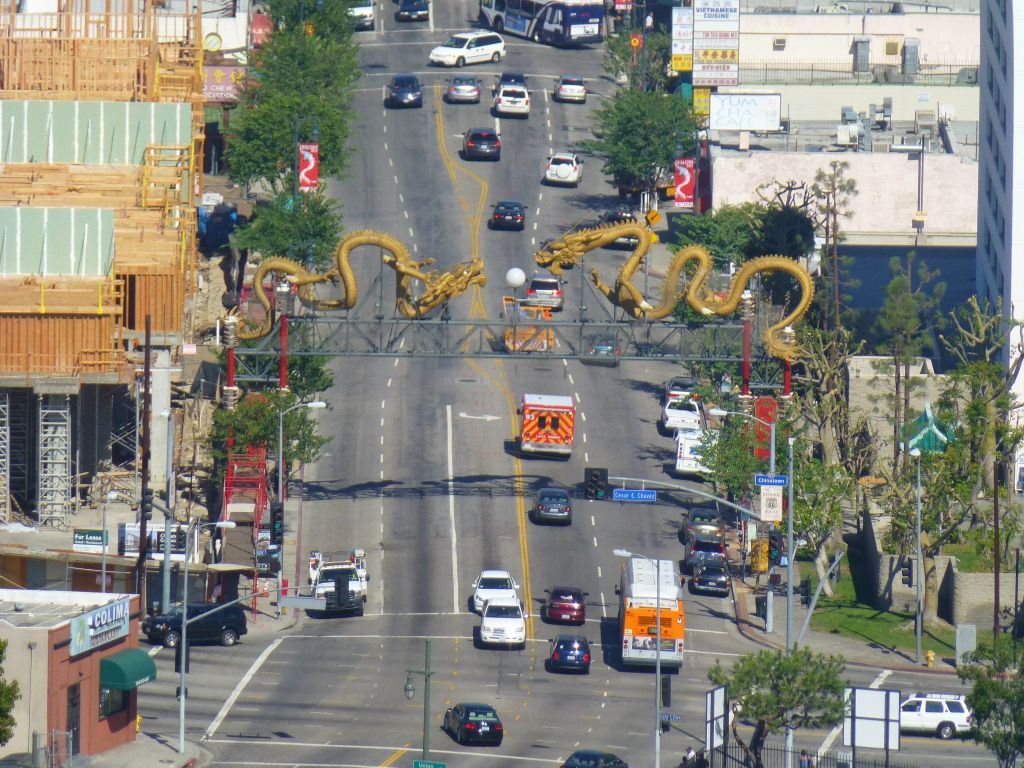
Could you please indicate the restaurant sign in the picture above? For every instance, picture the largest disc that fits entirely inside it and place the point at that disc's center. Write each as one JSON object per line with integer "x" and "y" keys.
{"x": 100, "y": 626}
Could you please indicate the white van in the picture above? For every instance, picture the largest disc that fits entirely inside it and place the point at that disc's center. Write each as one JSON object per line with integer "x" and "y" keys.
{"x": 362, "y": 13}
{"x": 688, "y": 445}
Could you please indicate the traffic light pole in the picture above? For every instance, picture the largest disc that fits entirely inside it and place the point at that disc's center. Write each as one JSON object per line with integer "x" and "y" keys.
{"x": 817, "y": 593}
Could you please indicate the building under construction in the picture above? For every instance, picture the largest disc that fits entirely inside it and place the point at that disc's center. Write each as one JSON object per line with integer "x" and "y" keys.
{"x": 101, "y": 141}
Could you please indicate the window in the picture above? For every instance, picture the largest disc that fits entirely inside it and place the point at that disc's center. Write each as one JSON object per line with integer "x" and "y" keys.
{"x": 911, "y": 706}
{"x": 542, "y": 422}
{"x": 554, "y": 423}
{"x": 112, "y": 701}
{"x": 955, "y": 706}
{"x": 779, "y": 44}
{"x": 933, "y": 706}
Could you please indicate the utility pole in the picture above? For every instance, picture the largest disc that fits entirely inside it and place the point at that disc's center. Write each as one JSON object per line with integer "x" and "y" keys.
{"x": 147, "y": 434}
{"x": 995, "y": 554}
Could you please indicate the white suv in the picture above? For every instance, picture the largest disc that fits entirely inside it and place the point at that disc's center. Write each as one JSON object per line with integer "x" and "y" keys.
{"x": 493, "y": 585}
{"x": 503, "y": 622}
{"x": 943, "y": 714}
{"x": 469, "y": 48}
{"x": 512, "y": 100}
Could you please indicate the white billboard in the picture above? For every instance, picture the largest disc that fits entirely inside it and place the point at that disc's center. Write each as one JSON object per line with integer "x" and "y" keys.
{"x": 716, "y": 40}
{"x": 746, "y": 111}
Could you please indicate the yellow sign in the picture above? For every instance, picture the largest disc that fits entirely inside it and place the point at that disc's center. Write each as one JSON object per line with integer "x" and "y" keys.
{"x": 702, "y": 101}
{"x": 635, "y": 41}
{"x": 653, "y": 217}
{"x": 719, "y": 55}
{"x": 682, "y": 62}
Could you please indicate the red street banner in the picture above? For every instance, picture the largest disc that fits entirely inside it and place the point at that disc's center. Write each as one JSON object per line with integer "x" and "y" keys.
{"x": 766, "y": 409}
{"x": 309, "y": 167}
{"x": 685, "y": 182}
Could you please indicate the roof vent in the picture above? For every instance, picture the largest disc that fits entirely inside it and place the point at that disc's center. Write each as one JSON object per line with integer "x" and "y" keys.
{"x": 18, "y": 607}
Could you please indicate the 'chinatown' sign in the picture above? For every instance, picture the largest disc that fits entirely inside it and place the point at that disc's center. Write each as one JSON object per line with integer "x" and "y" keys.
{"x": 100, "y": 626}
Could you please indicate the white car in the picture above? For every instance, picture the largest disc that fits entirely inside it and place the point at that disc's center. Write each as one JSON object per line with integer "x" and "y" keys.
{"x": 503, "y": 622}
{"x": 943, "y": 714}
{"x": 512, "y": 100}
{"x": 493, "y": 585}
{"x": 680, "y": 413}
{"x": 564, "y": 168}
{"x": 469, "y": 48}
{"x": 570, "y": 88}
{"x": 361, "y": 14}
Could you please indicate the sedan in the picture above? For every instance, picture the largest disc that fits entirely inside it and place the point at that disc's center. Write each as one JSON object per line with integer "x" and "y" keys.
{"x": 569, "y": 653}
{"x": 481, "y": 144}
{"x": 564, "y": 168}
{"x": 702, "y": 521}
{"x": 711, "y": 578}
{"x": 620, "y": 216}
{"x": 404, "y": 91}
{"x": 570, "y": 88}
{"x": 463, "y": 89}
{"x": 565, "y": 605}
{"x": 604, "y": 350}
{"x": 474, "y": 724}
{"x": 508, "y": 214}
{"x": 413, "y": 10}
{"x": 586, "y": 758}
{"x": 552, "y": 505}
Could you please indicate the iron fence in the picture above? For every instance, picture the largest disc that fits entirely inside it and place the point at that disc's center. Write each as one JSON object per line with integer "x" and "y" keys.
{"x": 774, "y": 756}
{"x": 840, "y": 72}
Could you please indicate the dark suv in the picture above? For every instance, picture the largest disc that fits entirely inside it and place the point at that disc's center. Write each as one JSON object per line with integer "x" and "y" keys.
{"x": 215, "y": 624}
{"x": 481, "y": 144}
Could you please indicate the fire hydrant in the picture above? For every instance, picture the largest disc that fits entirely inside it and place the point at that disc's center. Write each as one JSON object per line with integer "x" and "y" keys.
{"x": 929, "y": 659}
{"x": 138, "y": 723}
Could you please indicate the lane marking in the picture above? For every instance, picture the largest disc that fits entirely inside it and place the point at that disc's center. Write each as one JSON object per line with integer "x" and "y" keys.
{"x": 584, "y": 437}
{"x": 312, "y": 745}
{"x": 604, "y": 607}
{"x": 583, "y": 415}
{"x": 577, "y": 394}
{"x": 389, "y": 382}
{"x": 569, "y": 376}
{"x": 586, "y": 457}
{"x": 451, "y": 512}
{"x": 595, "y": 541}
{"x": 212, "y": 729}
{"x": 398, "y": 753}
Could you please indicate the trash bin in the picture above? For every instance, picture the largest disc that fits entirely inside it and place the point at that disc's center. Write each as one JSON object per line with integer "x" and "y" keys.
{"x": 761, "y": 606}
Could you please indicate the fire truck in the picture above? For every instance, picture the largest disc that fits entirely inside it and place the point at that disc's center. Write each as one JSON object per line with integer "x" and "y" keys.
{"x": 549, "y": 422}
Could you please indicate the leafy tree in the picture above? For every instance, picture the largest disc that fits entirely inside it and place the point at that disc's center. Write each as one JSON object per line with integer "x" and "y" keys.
{"x": 309, "y": 375}
{"x": 636, "y": 134}
{"x": 9, "y": 693}
{"x": 774, "y": 690}
{"x": 819, "y": 491}
{"x": 620, "y": 58}
{"x": 996, "y": 699}
{"x": 732, "y": 233}
{"x": 308, "y": 234}
{"x": 831, "y": 193}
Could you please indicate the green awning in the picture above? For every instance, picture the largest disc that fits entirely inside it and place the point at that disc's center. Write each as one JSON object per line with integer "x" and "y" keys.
{"x": 127, "y": 669}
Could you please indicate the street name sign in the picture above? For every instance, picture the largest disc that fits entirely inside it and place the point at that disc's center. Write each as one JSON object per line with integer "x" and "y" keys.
{"x": 762, "y": 481}
{"x": 633, "y": 494}
{"x": 303, "y": 603}
{"x": 428, "y": 764}
{"x": 671, "y": 717}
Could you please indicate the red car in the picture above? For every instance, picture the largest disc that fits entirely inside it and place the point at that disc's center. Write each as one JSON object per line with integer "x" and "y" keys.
{"x": 565, "y": 605}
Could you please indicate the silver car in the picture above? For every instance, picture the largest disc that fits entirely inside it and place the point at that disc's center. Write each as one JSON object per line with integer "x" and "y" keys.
{"x": 463, "y": 89}
{"x": 544, "y": 291}
{"x": 552, "y": 505}
{"x": 570, "y": 88}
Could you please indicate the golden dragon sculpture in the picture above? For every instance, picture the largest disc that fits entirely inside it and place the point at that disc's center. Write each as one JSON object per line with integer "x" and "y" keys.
{"x": 439, "y": 286}
{"x": 566, "y": 251}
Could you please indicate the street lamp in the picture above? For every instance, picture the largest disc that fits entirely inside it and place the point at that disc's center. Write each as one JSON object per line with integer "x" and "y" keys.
{"x": 184, "y": 626}
{"x": 410, "y": 693}
{"x": 619, "y": 552}
{"x": 916, "y": 453}
{"x": 514, "y": 279}
{"x": 111, "y": 495}
{"x": 759, "y": 420}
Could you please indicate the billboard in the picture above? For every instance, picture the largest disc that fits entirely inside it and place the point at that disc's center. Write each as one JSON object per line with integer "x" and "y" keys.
{"x": 716, "y": 42}
{"x": 128, "y": 535}
{"x": 99, "y": 626}
{"x": 309, "y": 166}
{"x": 685, "y": 182}
{"x": 746, "y": 111}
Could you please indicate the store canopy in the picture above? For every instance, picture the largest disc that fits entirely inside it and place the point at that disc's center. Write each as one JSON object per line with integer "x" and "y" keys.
{"x": 127, "y": 669}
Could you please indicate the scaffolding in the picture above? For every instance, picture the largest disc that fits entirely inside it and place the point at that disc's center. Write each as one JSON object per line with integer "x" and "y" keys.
{"x": 21, "y": 445}
{"x": 55, "y": 475}
{"x": 5, "y": 457}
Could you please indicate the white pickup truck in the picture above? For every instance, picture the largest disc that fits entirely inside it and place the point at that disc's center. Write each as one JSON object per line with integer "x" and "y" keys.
{"x": 681, "y": 412}
{"x": 323, "y": 568}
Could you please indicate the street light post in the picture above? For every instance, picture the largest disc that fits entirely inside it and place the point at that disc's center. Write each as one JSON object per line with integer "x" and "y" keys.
{"x": 916, "y": 453}
{"x": 410, "y": 692}
{"x": 657, "y": 649}
{"x": 759, "y": 420}
{"x": 184, "y": 626}
{"x": 111, "y": 495}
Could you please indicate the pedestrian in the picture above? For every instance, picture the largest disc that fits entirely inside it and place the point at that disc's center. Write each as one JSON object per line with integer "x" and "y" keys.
{"x": 805, "y": 759}
{"x": 689, "y": 758}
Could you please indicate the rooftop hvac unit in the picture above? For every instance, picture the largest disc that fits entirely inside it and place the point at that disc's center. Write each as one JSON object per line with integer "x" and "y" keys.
{"x": 847, "y": 135}
{"x": 911, "y": 55}
{"x": 881, "y": 146}
{"x": 967, "y": 76}
{"x": 848, "y": 115}
{"x": 924, "y": 122}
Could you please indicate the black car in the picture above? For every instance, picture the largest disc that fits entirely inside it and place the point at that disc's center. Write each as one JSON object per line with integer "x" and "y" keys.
{"x": 508, "y": 214}
{"x": 621, "y": 216}
{"x": 510, "y": 78}
{"x": 711, "y": 578}
{"x": 552, "y": 505}
{"x": 404, "y": 91}
{"x": 474, "y": 724}
{"x": 413, "y": 10}
{"x": 586, "y": 758}
{"x": 481, "y": 144}
{"x": 215, "y": 624}
{"x": 569, "y": 653}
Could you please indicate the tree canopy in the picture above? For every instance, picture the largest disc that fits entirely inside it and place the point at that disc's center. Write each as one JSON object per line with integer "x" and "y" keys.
{"x": 996, "y": 699}
{"x": 9, "y": 694}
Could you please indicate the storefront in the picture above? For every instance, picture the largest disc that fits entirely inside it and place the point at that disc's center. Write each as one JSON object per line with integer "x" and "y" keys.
{"x": 75, "y": 656}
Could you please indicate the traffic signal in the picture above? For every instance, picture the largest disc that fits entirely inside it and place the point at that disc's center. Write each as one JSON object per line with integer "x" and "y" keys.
{"x": 805, "y": 592}
{"x": 773, "y": 550}
{"x": 908, "y": 573}
{"x": 666, "y": 691}
{"x": 146, "y": 504}
{"x": 595, "y": 483}
{"x": 277, "y": 523}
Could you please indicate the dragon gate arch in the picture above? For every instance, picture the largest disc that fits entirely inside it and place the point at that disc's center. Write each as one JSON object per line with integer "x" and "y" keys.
{"x": 439, "y": 286}
{"x": 566, "y": 251}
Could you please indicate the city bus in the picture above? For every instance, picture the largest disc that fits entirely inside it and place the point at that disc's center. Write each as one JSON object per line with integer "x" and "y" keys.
{"x": 561, "y": 22}
{"x": 638, "y": 601}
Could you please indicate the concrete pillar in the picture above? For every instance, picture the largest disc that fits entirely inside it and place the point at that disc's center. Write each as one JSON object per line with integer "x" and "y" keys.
{"x": 161, "y": 392}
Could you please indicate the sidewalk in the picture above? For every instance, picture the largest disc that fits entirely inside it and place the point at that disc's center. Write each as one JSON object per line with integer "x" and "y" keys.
{"x": 147, "y": 750}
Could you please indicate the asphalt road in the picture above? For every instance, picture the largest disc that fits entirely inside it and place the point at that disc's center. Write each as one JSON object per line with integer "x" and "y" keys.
{"x": 422, "y": 472}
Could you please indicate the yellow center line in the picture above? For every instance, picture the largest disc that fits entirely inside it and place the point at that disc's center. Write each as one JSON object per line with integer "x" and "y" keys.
{"x": 395, "y": 756}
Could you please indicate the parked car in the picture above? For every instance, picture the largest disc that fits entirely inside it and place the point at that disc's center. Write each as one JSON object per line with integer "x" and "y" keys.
{"x": 491, "y": 585}
{"x": 680, "y": 413}
{"x": 469, "y": 48}
{"x": 481, "y": 144}
{"x": 702, "y": 521}
{"x": 604, "y": 350}
{"x": 544, "y": 290}
{"x": 215, "y": 623}
{"x": 586, "y": 758}
{"x": 403, "y": 91}
{"x": 508, "y": 214}
{"x": 564, "y": 168}
{"x": 503, "y": 622}
{"x": 474, "y": 724}
{"x": 943, "y": 714}
{"x": 564, "y": 605}
{"x": 569, "y": 653}
{"x": 713, "y": 578}
{"x": 570, "y": 88}
{"x": 677, "y": 386}
{"x": 463, "y": 89}
{"x": 512, "y": 100}
{"x": 705, "y": 550}
{"x": 413, "y": 10}
{"x": 552, "y": 505}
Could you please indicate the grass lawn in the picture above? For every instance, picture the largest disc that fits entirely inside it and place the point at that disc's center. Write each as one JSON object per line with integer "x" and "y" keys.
{"x": 843, "y": 615}
{"x": 968, "y": 560}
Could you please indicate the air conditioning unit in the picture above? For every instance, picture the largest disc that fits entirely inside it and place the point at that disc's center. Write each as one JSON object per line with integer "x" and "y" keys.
{"x": 967, "y": 76}
{"x": 779, "y": 44}
{"x": 881, "y": 146}
{"x": 847, "y": 135}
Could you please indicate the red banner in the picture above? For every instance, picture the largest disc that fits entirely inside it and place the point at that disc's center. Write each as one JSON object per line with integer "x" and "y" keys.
{"x": 309, "y": 167}
{"x": 686, "y": 182}
{"x": 766, "y": 409}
